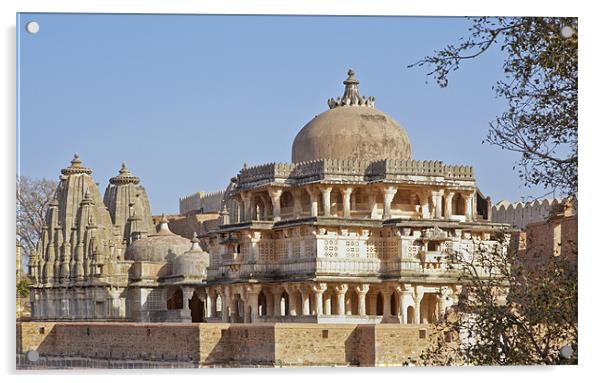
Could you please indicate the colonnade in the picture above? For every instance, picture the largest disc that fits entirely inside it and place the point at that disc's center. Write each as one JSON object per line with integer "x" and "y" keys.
{"x": 309, "y": 301}
{"x": 316, "y": 200}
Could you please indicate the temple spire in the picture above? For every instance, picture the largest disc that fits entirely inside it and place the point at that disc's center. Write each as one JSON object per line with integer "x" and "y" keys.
{"x": 351, "y": 96}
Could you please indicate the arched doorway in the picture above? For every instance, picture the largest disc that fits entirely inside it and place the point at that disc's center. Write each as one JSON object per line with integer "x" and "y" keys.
{"x": 394, "y": 303}
{"x": 197, "y": 308}
{"x": 262, "y": 305}
{"x": 458, "y": 207}
{"x": 379, "y": 304}
{"x": 410, "y": 315}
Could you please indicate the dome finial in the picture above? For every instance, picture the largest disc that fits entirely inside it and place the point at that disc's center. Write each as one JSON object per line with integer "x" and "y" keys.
{"x": 164, "y": 226}
{"x": 351, "y": 96}
{"x": 124, "y": 177}
{"x": 76, "y": 167}
{"x": 163, "y": 218}
{"x": 351, "y": 78}
{"x": 76, "y": 162}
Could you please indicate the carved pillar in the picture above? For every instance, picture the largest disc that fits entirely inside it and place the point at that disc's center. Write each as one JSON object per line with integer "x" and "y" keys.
{"x": 348, "y": 309}
{"x": 386, "y": 293}
{"x": 362, "y": 290}
{"x": 346, "y": 191}
{"x": 246, "y": 206}
{"x": 340, "y": 291}
{"x": 225, "y": 295}
{"x": 291, "y": 290}
{"x": 437, "y": 196}
{"x": 277, "y": 294}
{"x": 185, "y": 315}
{"x": 417, "y": 300}
{"x": 251, "y": 301}
{"x": 424, "y": 204}
{"x": 297, "y": 208}
{"x": 328, "y": 304}
{"x": 326, "y": 199}
{"x": 319, "y": 289}
{"x": 406, "y": 299}
{"x": 304, "y": 300}
{"x": 211, "y": 309}
{"x": 372, "y": 203}
{"x": 388, "y": 195}
{"x": 313, "y": 198}
{"x": 444, "y": 301}
{"x": 449, "y": 197}
{"x": 275, "y": 196}
{"x": 468, "y": 201}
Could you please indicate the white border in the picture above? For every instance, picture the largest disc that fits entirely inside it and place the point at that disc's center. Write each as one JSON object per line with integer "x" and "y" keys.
{"x": 589, "y": 146}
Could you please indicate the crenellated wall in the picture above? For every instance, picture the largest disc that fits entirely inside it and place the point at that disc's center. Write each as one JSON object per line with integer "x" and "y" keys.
{"x": 201, "y": 201}
{"x": 520, "y": 214}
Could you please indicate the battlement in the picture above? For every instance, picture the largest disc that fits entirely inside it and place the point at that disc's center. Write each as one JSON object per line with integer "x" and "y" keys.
{"x": 201, "y": 201}
{"x": 520, "y": 214}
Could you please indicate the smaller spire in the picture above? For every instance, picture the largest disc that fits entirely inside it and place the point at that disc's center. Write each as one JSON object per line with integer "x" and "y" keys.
{"x": 164, "y": 226}
{"x": 195, "y": 243}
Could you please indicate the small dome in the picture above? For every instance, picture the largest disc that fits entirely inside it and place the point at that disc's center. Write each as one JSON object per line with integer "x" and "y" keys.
{"x": 160, "y": 247}
{"x": 193, "y": 263}
{"x": 352, "y": 129}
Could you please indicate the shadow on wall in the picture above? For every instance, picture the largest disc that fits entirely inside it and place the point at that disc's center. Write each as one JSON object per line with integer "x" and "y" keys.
{"x": 217, "y": 344}
{"x": 117, "y": 341}
{"x": 239, "y": 345}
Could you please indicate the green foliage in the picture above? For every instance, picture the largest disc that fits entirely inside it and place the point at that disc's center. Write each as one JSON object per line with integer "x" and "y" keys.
{"x": 540, "y": 86}
{"x": 515, "y": 309}
{"x": 23, "y": 288}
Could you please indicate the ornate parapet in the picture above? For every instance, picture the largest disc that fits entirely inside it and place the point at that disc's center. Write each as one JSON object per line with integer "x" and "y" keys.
{"x": 350, "y": 171}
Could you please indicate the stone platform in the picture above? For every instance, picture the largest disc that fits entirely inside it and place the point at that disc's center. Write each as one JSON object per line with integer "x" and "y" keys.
{"x": 153, "y": 345}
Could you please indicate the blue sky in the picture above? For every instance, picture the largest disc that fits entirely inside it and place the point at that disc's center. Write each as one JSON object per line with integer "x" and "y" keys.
{"x": 185, "y": 100}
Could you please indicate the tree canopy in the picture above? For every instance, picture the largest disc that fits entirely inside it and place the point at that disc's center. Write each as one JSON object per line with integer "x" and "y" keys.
{"x": 540, "y": 86}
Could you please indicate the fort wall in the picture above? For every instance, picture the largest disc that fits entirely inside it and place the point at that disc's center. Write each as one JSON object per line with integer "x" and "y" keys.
{"x": 214, "y": 344}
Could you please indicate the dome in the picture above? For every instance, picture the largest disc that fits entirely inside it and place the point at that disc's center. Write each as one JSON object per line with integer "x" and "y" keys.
{"x": 192, "y": 263}
{"x": 160, "y": 247}
{"x": 352, "y": 129}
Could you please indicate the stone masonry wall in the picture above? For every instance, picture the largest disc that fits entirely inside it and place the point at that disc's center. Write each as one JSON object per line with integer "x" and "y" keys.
{"x": 209, "y": 344}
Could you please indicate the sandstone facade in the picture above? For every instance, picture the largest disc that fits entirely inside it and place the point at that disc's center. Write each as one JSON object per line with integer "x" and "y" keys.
{"x": 333, "y": 238}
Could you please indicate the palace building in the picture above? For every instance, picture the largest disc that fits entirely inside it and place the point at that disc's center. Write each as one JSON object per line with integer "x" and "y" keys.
{"x": 353, "y": 230}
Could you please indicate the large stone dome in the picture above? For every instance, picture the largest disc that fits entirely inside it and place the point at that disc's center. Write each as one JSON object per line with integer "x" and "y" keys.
{"x": 164, "y": 246}
{"x": 352, "y": 129}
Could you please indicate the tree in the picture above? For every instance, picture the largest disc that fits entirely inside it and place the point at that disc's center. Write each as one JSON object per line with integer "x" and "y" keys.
{"x": 540, "y": 86}
{"x": 516, "y": 308}
{"x": 33, "y": 198}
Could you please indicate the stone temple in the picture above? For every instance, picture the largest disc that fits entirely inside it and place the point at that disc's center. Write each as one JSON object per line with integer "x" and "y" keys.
{"x": 353, "y": 230}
